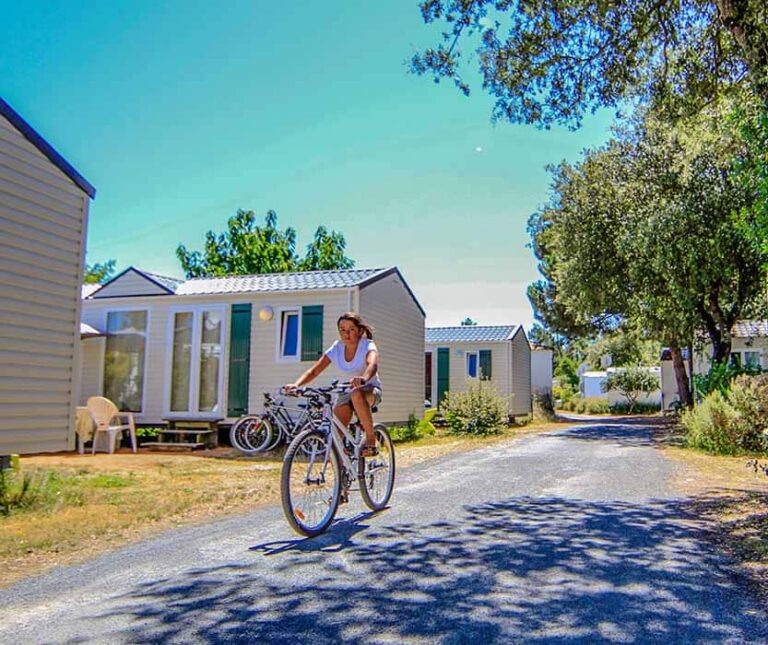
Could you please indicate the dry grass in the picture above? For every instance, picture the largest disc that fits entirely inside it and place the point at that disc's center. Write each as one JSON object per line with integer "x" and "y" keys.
{"x": 105, "y": 501}
{"x": 734, "y": 499}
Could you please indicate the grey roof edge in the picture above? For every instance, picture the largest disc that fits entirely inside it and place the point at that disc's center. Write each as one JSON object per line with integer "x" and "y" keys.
{"x": 515, "y": 330}
{"x": 386, "y": 273}
{"x": 141, "y": 273}
{"x": 46, "y": 148}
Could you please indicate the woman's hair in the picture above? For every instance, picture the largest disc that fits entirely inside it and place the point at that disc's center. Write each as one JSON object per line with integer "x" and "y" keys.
{"x": 359, "y": 322}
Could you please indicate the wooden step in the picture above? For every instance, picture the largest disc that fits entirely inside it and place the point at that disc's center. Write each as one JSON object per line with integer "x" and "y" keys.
{"x": 173, "y": 445}
{"x": 178, "y": 431}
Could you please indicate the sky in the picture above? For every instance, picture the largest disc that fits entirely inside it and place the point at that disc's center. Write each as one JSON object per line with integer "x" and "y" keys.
{"x": 181, "y": 112}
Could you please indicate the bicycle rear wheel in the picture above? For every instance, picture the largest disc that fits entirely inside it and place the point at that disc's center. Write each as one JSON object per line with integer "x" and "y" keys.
{"x": 310, "y": 483}
{"x": 251, "y": 434}
{"x": 377, "y": 474}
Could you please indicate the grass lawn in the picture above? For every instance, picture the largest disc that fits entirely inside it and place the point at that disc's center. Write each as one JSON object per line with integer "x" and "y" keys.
{"x": 92, "y": 503}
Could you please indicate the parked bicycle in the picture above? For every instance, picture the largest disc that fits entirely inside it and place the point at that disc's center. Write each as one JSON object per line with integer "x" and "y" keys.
{"x": 322, "y": 463}
{"x": 254, "y": 433}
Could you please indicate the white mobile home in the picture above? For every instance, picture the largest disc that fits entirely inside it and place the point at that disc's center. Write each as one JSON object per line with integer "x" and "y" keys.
{"x": 43, "y": 216}
{"x": 541, "y": 370}
{"x": 500, "y": 354}
{"x": 207, "y": 348}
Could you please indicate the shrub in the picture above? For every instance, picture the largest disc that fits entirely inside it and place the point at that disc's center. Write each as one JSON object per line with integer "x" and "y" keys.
{"x": 631, "y": 383}
{"x": 719, "y": 378}
{"x": 639, "y": 408}
{"x": 415, "y": 428}
{"x": 20, "y": 490}
{"x": 749, "y": 397}
{"x": 590, "y": 405}
{"x": 481, "y": 409}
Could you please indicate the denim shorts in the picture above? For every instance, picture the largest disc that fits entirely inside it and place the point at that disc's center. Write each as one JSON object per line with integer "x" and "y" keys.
{"x": 345, "y": 397}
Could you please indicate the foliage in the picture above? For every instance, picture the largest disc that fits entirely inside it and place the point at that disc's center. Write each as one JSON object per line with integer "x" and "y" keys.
{"x": 543, "y": 406}
{"x": 552, "y": 61}
{"x": 638, "y": 408}
{"x": 246, "y": 248}
{"x": 589, "y": 405}
{"x": 730, "y": 425}
{"x": 631, "y": 383}
{"x": 468, "y": 322}
{"x": 481, "y": 409}
{"x": 566, "y": 371}
{"x": 99, "y": 272}
{"x": 415, "y": 429}
{"x": 19, "y": 490}
{"x": 653, "y": 229}
{"x": 625, "y": 346}
{"x": 719, "y": 378}
{"x": 562, "y": 393}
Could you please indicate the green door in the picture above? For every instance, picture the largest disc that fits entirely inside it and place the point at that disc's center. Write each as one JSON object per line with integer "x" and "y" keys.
{"x": 443, "y": 373}
{"x": 239, "y": 359}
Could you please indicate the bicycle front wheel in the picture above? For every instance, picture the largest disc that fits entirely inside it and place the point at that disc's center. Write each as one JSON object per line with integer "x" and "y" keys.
{"x": 377, "y": 474}
{"x": 251, "y": 434}
{"x": 310, "y": 483}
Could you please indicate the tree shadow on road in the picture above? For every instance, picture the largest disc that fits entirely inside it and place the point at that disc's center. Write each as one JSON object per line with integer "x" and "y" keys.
{"x": 633, "y": 432}
{"x": 526, "y": 569}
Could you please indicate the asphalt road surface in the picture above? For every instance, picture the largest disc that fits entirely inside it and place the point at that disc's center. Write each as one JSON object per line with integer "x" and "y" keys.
{"x": 566, "y": 537}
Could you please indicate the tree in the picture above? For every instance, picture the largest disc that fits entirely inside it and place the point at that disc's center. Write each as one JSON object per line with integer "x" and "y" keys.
{"x": 99, "y": 272}
{"x": 551, "y": 61}
{"x": 651, "y": 229}
{"x": 468, "y": 322}
{"x": 326, "y": 252}
{"x": 631, "y": 383}
{"x": 246, "y": 248}
{"x": 626, "y": 346}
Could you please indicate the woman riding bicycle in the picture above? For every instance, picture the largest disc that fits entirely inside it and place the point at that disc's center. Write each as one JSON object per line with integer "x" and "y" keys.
{"x": 357, "y": 356}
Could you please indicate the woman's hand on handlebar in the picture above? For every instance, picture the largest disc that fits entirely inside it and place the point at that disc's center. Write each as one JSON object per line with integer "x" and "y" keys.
{"x": 356, "y": 381}
{"x": 290, "y": 389}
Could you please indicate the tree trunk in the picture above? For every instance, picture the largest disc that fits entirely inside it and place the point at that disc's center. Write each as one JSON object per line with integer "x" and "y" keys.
{"x": 681, "y": 376}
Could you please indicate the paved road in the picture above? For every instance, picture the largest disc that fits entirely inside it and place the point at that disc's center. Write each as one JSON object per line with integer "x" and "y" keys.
{"x": 570, "y": 536}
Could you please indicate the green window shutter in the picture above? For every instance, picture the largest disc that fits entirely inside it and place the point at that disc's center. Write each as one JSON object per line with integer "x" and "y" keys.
{"x": 311, "y": 333}
{"x": 485, "y": 364}
{"x": 443, "y": 372}
{"x": 239, "y": 360}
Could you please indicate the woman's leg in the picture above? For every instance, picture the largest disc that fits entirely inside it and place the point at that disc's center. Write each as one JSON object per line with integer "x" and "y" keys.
{"x": 361, "y": 401}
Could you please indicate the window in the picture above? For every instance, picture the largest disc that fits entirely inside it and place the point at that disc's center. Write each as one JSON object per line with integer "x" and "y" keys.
{"x": 472, "y": 364}
{"x": 289, "y": 334}
{"x": 124, "y": 359}
{"x": 196, "y": 370}
{"x": 301, "y": 334}
{"x": 752, "y": 359}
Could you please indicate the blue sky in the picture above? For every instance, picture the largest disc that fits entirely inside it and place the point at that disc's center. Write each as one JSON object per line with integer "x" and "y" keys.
{"x": 181, "y": 112}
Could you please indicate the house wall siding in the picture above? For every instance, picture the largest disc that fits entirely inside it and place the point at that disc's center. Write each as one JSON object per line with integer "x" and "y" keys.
{"x": 43, "y": 217}
{"x": 500, "y": 365}
{"x": 130, "y": 284}
{"x": 399, "y": 324}
{"x": 520, "y": 370}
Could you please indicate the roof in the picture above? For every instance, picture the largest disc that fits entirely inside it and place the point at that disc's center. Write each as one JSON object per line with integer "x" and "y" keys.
{"x": 86, "y": 331}
{"x": 750, "y": 328}
{"x": 470, "y": 334}
{"x": 89, "y": 289}
{"x": 267, "y": 282}
{"x": 46, "y": 148}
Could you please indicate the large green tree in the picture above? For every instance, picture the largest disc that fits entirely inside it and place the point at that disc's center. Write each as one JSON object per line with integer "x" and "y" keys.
{"x": 247, "y": 248}
{"x": 653, "y": 228}
{"x": 552, "y": 61}
{"x": 99, "y": 272}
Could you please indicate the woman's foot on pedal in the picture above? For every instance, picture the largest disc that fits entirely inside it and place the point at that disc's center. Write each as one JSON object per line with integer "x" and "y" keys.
{"x": 370, "y": 451}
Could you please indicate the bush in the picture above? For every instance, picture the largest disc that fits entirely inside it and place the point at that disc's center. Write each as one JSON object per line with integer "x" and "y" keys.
{"x": 20, "y": 490}
{"x": 543, "y": 406}
{"x": 639, "y": 408}
{"x": 481, "y": 409}
{"x": 734, "y": 424}
{"x": 631, "y": 382}
{"x": 590, "y": 405}
{"x": 719, "y": 378}
{"x": 415, "y": 428}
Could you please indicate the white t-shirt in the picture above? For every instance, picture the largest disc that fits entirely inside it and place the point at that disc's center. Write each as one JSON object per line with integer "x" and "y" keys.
{"x": 355, "y": 367}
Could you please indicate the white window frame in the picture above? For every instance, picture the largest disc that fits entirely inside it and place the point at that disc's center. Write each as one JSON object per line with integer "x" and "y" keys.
{"x": 194, "y": 377}
{"x": 279, "y": 340}
{"x": 113, "y": 310}
{"x": 477, "y": 364}
{"x": 742, "y": 353}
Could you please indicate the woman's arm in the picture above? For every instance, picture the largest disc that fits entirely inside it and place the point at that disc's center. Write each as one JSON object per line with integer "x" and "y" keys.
{"x": 319, "y": 365}
{"x": 371, "y": 369}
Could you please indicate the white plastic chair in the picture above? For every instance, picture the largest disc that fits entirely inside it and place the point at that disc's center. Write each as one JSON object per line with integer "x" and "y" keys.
{"x": 110, "y": 421}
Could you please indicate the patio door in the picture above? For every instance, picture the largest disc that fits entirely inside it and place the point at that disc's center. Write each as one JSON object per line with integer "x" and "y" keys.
{"x": 196, "y": 370}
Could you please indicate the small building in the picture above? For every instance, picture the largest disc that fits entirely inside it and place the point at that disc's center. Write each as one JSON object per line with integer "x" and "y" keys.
{"x": 541, "y": 370}
{"x": 500, "y": 354}
{"x": 44, "y": 205}
{"x": 592, "y": 382}
{"x": 207, "y": 348}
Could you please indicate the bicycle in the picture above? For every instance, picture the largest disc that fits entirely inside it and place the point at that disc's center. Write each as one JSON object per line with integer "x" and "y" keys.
{"x": 255, "y": 433}
{"x": 322, "y": 463}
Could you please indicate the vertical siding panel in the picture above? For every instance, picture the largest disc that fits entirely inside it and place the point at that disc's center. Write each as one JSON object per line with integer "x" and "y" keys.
{"x": 399, "y": 335}
{"x": 42, "y": 198}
